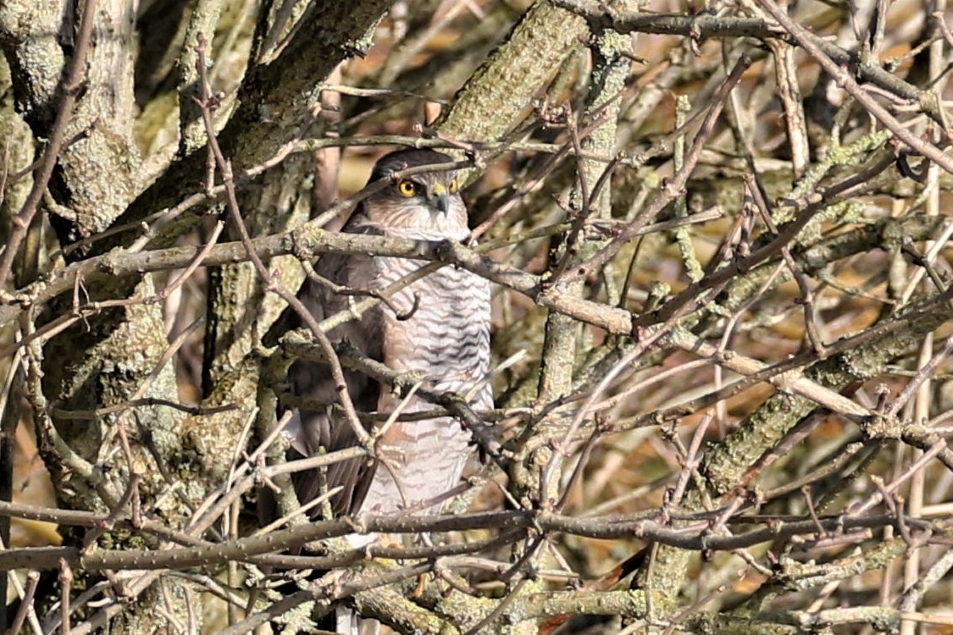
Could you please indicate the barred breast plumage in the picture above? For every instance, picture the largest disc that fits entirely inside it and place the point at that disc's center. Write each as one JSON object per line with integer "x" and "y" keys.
{"x": 446, "y": 338}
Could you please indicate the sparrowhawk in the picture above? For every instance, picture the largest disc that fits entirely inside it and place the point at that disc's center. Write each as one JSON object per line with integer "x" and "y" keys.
{"x": 437, "y": 326}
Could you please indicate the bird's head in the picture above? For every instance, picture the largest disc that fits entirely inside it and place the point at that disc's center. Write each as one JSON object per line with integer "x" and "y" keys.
{"x": 427, "y": 202}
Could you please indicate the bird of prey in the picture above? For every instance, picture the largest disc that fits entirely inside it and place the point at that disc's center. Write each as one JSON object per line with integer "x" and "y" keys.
{"x": 437, "y": 326}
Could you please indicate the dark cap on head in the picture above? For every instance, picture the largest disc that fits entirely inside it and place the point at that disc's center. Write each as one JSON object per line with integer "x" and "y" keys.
{"x": 403, "y": 159}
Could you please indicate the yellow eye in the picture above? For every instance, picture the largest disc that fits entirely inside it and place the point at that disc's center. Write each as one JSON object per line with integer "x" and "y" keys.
{"x": 452, "y": 188}
{"x": 407, "y": 188}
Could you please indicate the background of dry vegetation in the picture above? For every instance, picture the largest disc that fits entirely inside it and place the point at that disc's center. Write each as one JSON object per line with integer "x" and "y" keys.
{"x": 721, "y": 318}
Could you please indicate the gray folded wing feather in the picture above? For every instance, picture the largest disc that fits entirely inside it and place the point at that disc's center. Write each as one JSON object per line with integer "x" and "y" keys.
{"x": 313, "y": 381}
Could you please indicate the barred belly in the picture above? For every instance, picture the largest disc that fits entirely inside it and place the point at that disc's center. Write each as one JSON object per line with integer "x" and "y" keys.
{"x": 438, "y": 327}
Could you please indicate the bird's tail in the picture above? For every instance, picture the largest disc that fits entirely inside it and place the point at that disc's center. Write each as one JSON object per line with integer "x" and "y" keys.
{"x": 349, "y": 623}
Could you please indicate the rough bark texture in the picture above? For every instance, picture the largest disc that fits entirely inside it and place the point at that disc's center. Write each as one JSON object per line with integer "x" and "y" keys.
{"x": 721, "y": 313}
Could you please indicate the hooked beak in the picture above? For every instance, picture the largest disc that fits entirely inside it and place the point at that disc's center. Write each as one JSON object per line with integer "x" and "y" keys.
{"x": 439, "y": 198}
